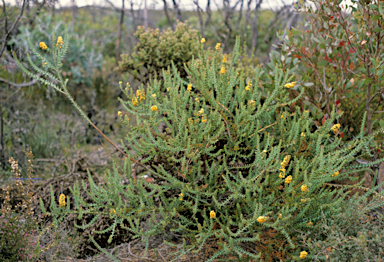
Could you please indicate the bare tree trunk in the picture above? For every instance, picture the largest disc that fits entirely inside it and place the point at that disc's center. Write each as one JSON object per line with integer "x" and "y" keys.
{"x": 167, "y": 15}
{"x": 145, "y": 15}
{"x": 119, "y": 32}
{"x": 199, "y": 13}
{"x": 177, "y": 11}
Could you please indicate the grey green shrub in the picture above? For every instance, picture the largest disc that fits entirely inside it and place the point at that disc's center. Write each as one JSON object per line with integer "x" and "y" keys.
{"x": 233, "y": 165}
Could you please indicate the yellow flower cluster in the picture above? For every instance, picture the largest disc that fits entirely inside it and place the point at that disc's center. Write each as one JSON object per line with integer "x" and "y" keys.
{"x": 154, "y": 95}
{"x": 336, "y": 128}
{"x": 288, "y": 179}
{"x": 309, "y": 224}
{"x": 336, "y": 173}
{"x": 224, "y": 59}
{"x": 139, "y": 94}
{"x": 154, "y": 108}
{"x": 59, "y": 41}
{"x": 262, "y": 219}
{"x": 222, "y": 70}
{"x": 43, "y": 45}
{"x": 62, "y": 200}
{"x": 202, "y": 40}
{"x": 44, "y": 64}
{"x": 119, "y": 113}
{"x": 200, "y": 112}
{"x": 181, "y": 196}
{"x": 249, "y": 85}
{"x": 212, "y": 214}
{"x": 112, "y": 211}
{"x": 303, "y": 254}
{"x": 304, "y": 200}
{"x": 290, "y": 85}
{"x": 217, "y": 47}
{"x": 284, "y": 164}
{"x": 304, "y": 188}
{"x": 189, "y": 87}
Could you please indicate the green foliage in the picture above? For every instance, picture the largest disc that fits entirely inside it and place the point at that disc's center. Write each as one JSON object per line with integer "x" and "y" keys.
{"x": 155, "y": 51}
{"x": 80, "y": 64}
{"x": 19, "y": 229}
{"x": 233, "y": 165}
{"x": 340, "y": 56}
{"x": 352, "y": 235}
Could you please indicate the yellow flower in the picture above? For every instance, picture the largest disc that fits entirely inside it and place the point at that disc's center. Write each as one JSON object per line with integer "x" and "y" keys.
{"x": 309, "y": 224}
{"x": 280, "y": 215}
{"x": 119, "y": 113}
{"x": 222, "y": 70}
{"x": 59, "y": 41}
{"x": 43, "y": 45}
{"x": 190, "y": 121}
{"x": 62, "y": 200}
{"x": 282, "y": 173}
{"x": 290, "y": 85}
{"x": 189, "y": 87}
{"x": 303, "y": 134}
{"x": 120, "y": 82}
{"x": 202, "y": 40}
{"x": 154, "y": 108}
{"x": 261, "y": 219}
{"x": 201, "y": 111}
{"x": 204, "y": 120}
{"x": 252, "y": 102}
{"x": 218, "y": 46}
{"x": 197, "y": 99}
{"x": 335, "y": 128}
{"x": 304, "y": 200}
{"x": 154, "y": 95}
{"x": 44, "y": 64}
{"x": 134, "y": 101}
{"x": 224, "y": 59}
{"x": 113, "y": 211}
{"x": 212, "y": 214}
{"x": 181, "y": 196}
{"x": 288, "y": 179}
{"x": 285, "y": 161}
{"x": 247, "y": 88}
{"x": 336, "y": 173}
{"x": 304, "y": 188}
{"x": 303, "y": 254}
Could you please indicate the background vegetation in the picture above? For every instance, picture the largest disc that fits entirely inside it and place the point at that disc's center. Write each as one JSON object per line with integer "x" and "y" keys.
{"x": 111, "y": 44}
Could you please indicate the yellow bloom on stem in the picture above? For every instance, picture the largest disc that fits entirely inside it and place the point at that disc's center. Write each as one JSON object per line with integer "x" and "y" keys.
{"x": 134, "y": 101}
{"x": 119, "y": 113}
{"x": 62, "y": 200}
{"x": 201, "y": 111}
{"x": 247, "y": 88}
{"x": 224, "y": 59}
{"x": 189, "y": 87}
{"x": 304, "y": 188}
{"x": 217, "y": 47}
{"x": 336, "y": 173}
{"x": 252, "y": 102}
{"x": 212, "y": 214}
{"x": 282, "y": 172}
{"x": 154, "y": 108}
{"x": 204, "y": 120}
{"x": 310, "y": 224}
{"x": 290, "y": 85}
{"x": 59, "y": 41}
{"x": 222, "y": 70}
{"x": 202, "y": 40}
{"x": 113, "y": 211}
{"x": 280, "y": 215}
{"x": 44, "y": 64}
{"x": 43, "y": 45}
{"x": 288, "y": 179}
{"x": 303, "y": 254}
{"x": 335, "y": 128}
{"x": 181, "y": 196}
{"x": 154, "y": 95}
{"x": 261, "y": 219}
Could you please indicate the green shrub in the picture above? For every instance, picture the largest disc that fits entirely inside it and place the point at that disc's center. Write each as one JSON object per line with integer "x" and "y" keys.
{"x": 155, "y": 51}
{"x": 232, "y": 165}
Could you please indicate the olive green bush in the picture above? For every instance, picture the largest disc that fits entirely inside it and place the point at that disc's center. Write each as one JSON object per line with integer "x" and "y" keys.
{"x": 247, "y": 169}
